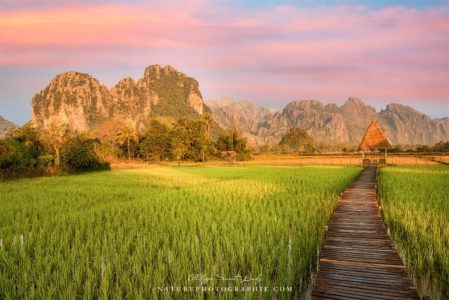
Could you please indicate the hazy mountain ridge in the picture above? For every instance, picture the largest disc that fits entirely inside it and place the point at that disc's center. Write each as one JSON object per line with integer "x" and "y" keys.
{"x": 405, "y": 125}
{"x": 5, "y": 126}
{"x": 243, "y": 115}
{"x": 82, "y": 101}
{"x": 331, "y": 124}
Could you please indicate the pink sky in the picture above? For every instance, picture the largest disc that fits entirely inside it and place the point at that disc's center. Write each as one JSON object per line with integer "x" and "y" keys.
{"x": 269, "y": 55}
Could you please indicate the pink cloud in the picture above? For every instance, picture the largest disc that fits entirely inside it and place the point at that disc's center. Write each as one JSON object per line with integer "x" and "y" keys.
{"x": 284, "y": 52}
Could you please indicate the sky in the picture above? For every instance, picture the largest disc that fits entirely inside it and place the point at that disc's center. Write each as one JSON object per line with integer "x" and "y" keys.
{"x": 267, "y": 52}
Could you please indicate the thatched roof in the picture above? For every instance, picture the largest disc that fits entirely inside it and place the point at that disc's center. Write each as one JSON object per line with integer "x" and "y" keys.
{"x": 374, "y": 138}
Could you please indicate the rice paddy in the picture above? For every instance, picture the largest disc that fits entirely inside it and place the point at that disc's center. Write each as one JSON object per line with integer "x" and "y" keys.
{"x": 166, "y": 232}
{"x": 415, "y": 203}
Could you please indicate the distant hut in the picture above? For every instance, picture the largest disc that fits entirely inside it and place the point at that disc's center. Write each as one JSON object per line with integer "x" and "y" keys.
{"x": 375, "y": 140}
{"x": 229, "y": 155}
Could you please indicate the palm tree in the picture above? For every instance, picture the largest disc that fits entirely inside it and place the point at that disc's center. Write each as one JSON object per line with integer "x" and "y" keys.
{"x": 208, "y": 121}
{"x": 125, "y": 135}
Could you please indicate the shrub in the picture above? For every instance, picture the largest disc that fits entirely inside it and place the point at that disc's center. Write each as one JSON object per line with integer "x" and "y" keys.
{"x": 79, "y": 155}
{"x": 45, "y": 160}
{"x": 16, "y": 155}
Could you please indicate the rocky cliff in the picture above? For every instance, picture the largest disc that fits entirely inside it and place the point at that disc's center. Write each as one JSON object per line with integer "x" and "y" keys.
{"x": 5, "y": 126}
{"x": 81, "y": 101}
{"x": 335, "y": 125}
{"x": 406, "y": 126}
{"x": 72, "y": 98}
{"x": 243, "y": 115}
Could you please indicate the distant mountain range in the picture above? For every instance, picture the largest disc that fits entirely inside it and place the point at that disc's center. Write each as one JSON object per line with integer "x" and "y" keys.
{"x": 330, "y": 124}
{"x": 83, "y": 102}
{"x": 5, "y": 126}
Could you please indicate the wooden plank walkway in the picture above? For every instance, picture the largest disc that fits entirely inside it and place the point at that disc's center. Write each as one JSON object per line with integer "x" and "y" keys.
{"x": 359, "y": 260}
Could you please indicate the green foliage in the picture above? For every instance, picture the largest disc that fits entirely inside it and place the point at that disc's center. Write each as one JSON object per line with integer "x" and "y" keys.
{"x": 423, "y": 149}
{"x": 79, "y": 154}
{"x": 178, "y": 142}
{"x": 18, "y": 159}
{"x": 30, "y": 152}
{"x": 438, "y": 147}
{"x": 21, "y": 151}
{"x": 125, "y": 136}
{"x": 173, "y": 91}
{"x": 188, "y": 139}
{"x": 232, "y": 140}
{"x": 122, "y": 234}
{"x": 54, "y": 138}
{"x": 11, "y": 154}
{"x": 415, "y": 204}
{"x": 45, "y": 160}
{"x": 155, "y": 144}
{"x": 30, "y": 137}
{"x": 193, "y": 134}
{"x": 297, "y": 140}
{"x": 441, "y": 147}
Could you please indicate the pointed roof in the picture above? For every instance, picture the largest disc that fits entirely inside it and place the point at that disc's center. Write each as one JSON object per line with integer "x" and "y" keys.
{"x": 375, "y": 138}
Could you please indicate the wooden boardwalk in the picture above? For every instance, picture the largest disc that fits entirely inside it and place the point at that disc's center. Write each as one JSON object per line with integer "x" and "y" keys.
{"x": 359, "y": 260}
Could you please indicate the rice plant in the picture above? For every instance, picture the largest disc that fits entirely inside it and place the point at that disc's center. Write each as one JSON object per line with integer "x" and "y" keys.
{"x": 415, "y": 203}
{"x": 166, "y": 232}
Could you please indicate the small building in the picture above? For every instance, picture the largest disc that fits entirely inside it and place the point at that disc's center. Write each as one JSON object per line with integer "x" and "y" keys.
{"x": 228, "y": 155}
{"x": 375, "y": 140}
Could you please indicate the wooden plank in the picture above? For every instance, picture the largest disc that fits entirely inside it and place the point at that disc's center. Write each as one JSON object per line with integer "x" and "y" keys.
{"x": 359, "y": 260}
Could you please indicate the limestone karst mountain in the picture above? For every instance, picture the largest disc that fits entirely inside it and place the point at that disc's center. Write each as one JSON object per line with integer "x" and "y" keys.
{"x": 83, "y": 102}
{"x": 404, "y": 125}
{"x": 334, "y": 125}
{"x": 72, "y": 98}
{"x": 243, "y": 115}
{"x": 5, "y": 126}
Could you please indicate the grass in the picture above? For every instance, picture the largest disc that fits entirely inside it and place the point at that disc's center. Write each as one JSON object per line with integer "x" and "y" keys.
{"x": 137, "y": 233}
{"x": 343, "y": 160}
{"x": 415, "y": 203}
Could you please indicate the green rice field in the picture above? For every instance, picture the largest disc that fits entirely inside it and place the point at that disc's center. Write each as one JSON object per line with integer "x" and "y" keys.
{"x": 188, "y": 232}
{"x": 415, "y": 203}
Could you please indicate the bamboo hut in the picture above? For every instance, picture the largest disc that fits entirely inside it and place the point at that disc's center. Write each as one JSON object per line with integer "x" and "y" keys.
{"x": 229, "y": 155}
{"x": 375, "y": 140}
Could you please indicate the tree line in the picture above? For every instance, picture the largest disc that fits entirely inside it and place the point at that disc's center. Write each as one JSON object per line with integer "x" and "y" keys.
{"x": 29, "y": 151}
{"x": 437, "y": 148}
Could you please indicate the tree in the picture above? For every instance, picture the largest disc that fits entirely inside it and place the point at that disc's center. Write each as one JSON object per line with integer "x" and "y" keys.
{"x": 9, "y": 154}
{"x": 193, "y": 137}
{"x": 106, "y": 133}
{"x": 55, "y": 137}
{"x": 208, "y": 121}
{"x": 29, "y": 137}
{"x": 178, "y": 149}
{"x": 297, "y": 139}
{"x": 155, "y": 143}
{"x": 232, "y": 140}
{"x": 25, "y": 133}
{"x": 441, "y": 147}
{"x": 125, "y": 135}
{"x": 79, "y": 154}
{"x": 178, "y": 142}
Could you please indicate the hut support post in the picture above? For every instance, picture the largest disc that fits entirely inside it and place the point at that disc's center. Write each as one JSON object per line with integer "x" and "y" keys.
{"x": 386, "y": 155}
